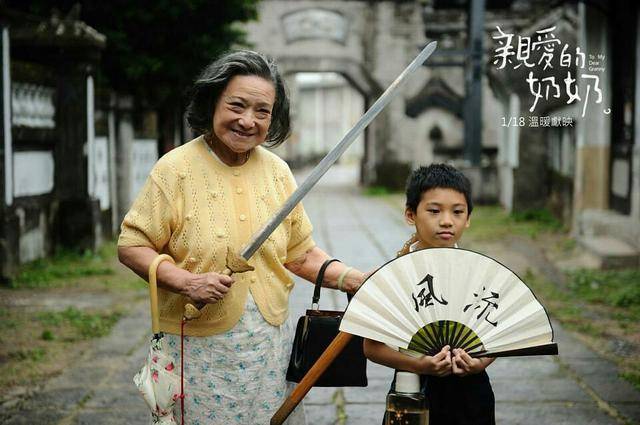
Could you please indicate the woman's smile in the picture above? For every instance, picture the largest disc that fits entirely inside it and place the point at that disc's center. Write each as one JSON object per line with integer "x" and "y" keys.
{"x": 242, "y": 117}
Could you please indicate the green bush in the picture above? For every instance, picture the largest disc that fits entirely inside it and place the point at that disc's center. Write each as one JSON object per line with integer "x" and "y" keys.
{"x": 47, "y": 335}
{"x": 618, "y": 288}
{"x": 541, "y": 216}
{"x": 63, "y": 265}
{"x": 376, "y": 191}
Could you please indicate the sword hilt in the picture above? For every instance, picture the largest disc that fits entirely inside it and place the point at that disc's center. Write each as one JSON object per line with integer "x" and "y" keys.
{"x": 235, "y": 264}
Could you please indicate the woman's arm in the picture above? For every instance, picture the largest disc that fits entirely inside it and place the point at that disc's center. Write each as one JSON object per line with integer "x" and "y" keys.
{"x": 308, "y": 266}
{"x": 201, "y": 288}
{"x": 438, "y": 365}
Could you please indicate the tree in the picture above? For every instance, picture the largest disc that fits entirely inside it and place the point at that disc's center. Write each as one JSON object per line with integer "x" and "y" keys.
{"x": 155, "y": 48}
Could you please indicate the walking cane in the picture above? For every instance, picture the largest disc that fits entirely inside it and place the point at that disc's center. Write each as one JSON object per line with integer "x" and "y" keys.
{"x": 324, "y": 361}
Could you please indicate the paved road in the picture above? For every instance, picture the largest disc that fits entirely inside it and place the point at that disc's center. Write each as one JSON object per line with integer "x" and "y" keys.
{"x": 577, "y": 387}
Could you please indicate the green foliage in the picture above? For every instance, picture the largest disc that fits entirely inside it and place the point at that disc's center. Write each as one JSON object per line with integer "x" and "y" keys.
{"x": 155, "y": 49}
{"x": 34, "y": 355}
{"x": 567, "y": 244}
{"x": 618, "y": 288}
{"x": 491, "y": 222}
{"x": 376, "y": 191}
{"x": 542, "y": 216}
{"x": 633, "y": 377}
{"x": 47, "y": 335}
{"x": 64, "y": 265}
{"x": 86, "y": 325}
{"x": 597, "y": 304}
{"x": 7, "y": 322}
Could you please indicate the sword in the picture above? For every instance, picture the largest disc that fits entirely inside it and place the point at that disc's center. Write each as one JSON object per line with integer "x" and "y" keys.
{"x": 238, "y": 263}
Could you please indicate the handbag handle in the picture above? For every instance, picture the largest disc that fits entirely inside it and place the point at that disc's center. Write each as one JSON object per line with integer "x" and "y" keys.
{"x": 153, "y": 290}
{"x": 316, "y": 292}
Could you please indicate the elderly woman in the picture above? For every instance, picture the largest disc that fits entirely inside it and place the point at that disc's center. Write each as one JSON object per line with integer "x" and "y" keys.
{"x": 212, "y": 193}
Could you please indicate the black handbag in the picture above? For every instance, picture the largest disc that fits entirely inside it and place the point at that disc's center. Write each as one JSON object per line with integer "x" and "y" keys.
{"x": 314, "y": 332}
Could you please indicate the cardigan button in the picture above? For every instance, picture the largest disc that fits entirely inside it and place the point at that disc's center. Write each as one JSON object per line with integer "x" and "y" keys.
{"x": 239, "y": 190}
{"x": 220, "y": 233}
{"x": 242, "y": 217}
{"x": 182, "y": 175}
{"x": 253, "y": 279}
{"x": 236, "y": 173}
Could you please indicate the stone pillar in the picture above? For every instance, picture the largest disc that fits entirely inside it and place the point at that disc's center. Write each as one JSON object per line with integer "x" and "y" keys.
{"x": 593, "y": 131}
{"x": 7, "y": 148}
{"x": 78, "y": 213}
{"x": 124, "y": 144}
{"x": 113, "y": 165}
{"x": 9, "y": 224}
{"x": 473, "y": 84}
{"x": 635, "y": 160}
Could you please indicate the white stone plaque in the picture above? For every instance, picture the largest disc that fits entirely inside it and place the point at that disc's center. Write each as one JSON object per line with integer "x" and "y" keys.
{"x": 144, "y": 154}
{"x": 33, "y": 173}
{"x": 315, "y": 23}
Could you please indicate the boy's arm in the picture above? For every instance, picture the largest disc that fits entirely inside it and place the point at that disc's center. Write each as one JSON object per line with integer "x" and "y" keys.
{"x": 438, "y": 365}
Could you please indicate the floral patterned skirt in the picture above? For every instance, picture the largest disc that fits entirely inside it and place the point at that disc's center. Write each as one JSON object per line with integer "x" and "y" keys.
{"x": 237, "y": 377}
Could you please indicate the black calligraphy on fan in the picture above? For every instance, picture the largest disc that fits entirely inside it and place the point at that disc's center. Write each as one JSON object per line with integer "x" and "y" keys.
{"x": 427, "y": 296}
{"x": 489, "y": 304}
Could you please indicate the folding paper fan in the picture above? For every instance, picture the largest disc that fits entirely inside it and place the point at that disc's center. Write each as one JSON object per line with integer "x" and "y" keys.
{"x": 434, "y": 297}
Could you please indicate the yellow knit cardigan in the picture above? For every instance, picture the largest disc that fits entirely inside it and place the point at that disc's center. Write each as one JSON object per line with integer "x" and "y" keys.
{"x": 193, "y": 206}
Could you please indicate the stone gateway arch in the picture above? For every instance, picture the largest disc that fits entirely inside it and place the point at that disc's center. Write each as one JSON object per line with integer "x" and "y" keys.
{"x": 369, "y": 44}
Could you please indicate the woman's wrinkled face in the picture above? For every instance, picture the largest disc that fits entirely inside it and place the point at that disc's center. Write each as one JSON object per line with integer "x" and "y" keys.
{"x": 242, "y": 115}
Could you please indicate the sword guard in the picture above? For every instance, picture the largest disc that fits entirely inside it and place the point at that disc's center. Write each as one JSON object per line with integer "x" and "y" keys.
{"x": 236, "y": 263}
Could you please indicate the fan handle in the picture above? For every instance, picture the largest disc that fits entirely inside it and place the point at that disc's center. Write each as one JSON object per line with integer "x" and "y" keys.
{"x": 550, "y": 349}
{"x": 324, "y": 361}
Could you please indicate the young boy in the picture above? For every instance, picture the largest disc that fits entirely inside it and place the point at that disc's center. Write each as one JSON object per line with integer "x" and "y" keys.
{"x": 457, "y": 387}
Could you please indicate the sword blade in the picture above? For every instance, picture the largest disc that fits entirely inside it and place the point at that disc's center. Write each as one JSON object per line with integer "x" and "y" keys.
{"x": 323, "y": 166}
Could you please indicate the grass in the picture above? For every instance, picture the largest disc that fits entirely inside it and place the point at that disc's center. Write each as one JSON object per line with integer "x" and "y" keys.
{"x": 84, "y": 325}
{"x": 616, "y": 288}
{"x": 46, "y": 342}
{"x": 492, "y": 223}
{"x": 64, "y": 265}
{"x": 42, "y": 329}
{"x": 68, "y": 268}
{"x": 603, "y": 307}
{"x": 377, "y": 191}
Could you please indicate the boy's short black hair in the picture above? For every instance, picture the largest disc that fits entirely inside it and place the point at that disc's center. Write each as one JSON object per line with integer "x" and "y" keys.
{"x": 436, "y": 176}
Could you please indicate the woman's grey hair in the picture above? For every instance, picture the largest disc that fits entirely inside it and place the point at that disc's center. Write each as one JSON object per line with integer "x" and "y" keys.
{"x": 214, "y": 79}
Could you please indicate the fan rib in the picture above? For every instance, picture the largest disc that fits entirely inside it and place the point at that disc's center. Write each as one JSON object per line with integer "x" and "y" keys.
{"x": 447, "y": 339}
{"x": 465, "y": 339}
{"x": 458, "y": 329}
{"x": 432, "y": 338}
{"x": 473, "y": 347}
